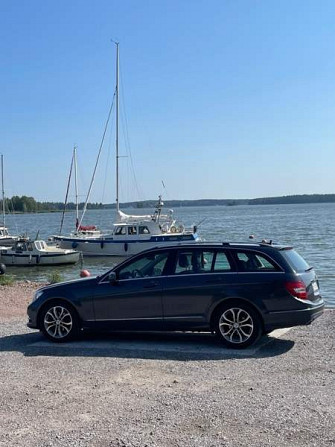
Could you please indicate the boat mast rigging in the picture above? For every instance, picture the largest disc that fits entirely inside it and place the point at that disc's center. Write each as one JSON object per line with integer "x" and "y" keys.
{"x": 76, "y": 181}
{"x": 67, "y": 190}
{"x": 3, "y": 194}
{"x": 117, "y": 127}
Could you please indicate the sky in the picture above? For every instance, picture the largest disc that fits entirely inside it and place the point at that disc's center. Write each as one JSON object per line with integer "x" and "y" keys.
{"x": 220, "y": 99}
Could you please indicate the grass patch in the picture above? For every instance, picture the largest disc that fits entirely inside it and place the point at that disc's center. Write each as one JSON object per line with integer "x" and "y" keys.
{"x": 6, "y": 280}
{"x": 55, "y": 277}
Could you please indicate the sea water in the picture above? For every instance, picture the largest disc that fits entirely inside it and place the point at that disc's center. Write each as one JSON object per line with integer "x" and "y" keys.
{"x": 309, "y": 228}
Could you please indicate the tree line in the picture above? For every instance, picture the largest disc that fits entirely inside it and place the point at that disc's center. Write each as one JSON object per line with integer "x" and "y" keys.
{"x": 25, "y": 204}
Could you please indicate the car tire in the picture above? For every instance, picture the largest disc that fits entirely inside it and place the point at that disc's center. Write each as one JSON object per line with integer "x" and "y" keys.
{"x": 59, "y": 322}
{"x": 237, "y": 325}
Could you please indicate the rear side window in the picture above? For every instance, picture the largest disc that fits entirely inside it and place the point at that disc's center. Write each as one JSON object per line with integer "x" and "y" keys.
{"x": 296, "y": 261}
{"x": 248, "y": 261}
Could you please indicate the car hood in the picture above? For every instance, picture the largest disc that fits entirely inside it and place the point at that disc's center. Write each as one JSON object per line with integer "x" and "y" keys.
{"x": 69, "y": 284}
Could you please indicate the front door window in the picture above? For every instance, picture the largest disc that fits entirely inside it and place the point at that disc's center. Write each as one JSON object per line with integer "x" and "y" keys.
{"x": 145, "y": 266}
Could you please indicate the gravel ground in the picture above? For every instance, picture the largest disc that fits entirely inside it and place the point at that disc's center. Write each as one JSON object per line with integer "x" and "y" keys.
{"x": 129, "y": 391}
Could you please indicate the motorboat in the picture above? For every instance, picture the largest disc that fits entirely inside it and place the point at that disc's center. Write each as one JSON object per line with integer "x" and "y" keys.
{"x": 6, "y": 239}
{"x": 130, "y": 234}
{"x": 26, "y": 252}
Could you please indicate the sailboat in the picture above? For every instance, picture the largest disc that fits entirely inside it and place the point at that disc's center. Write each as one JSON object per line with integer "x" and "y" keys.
{"x": 130, "y": 233}
{"x": 80, "y": 230}
{"x": 5, "y": 238}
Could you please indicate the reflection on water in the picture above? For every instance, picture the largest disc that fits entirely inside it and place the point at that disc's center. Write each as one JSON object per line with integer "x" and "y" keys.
{"x": 308, "y": 227}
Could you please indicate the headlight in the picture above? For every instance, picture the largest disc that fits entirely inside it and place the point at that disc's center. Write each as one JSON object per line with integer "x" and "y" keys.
{"x": 37, "y": 295}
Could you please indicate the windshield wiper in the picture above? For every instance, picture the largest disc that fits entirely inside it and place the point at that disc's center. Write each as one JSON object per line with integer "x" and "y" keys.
{"x": 309, "y": 269}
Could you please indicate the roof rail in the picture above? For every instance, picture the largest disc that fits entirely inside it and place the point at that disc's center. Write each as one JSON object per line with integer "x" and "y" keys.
{"x": 266, "y": 242}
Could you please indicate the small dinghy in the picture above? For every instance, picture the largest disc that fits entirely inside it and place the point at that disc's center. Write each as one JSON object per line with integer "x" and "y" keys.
{"x": 25, "y": 252}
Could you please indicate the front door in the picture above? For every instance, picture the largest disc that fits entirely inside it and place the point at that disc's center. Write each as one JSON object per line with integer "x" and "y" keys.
{"x": 135, "y": 299}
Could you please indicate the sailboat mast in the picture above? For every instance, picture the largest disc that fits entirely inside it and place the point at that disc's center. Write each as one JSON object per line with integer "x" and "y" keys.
{"x": 3, "y": 194}
{"x": 75, "y": 181}
{"x": 117, "y": 127}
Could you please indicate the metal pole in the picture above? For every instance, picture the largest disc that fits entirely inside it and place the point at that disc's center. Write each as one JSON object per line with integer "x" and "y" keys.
{"x": 3, "y": 194}
{"x": 75, "y": 181}
{"x": 117, "y": 127}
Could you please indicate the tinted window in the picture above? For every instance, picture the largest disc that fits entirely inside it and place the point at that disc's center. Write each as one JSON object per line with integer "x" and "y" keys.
{"x": 248, "y": 261}
{"x": 296, "y": 261}
{"x": 221, "y": 262}
{"x": 145, "y": 266}
{"x": 201, "y": 261}
{"x": 184, "y": 262}
{"x": 206, "y": 260}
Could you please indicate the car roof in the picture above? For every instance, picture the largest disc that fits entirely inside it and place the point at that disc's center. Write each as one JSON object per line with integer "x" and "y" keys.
{"x": 242, "y": 245}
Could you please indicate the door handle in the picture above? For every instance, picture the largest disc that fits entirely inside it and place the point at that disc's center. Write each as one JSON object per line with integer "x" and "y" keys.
{"x": 151, "y": 285}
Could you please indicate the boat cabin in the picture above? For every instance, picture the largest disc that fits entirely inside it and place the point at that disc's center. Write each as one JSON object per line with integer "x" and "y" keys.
{"x": 132, "y": 229}
{"x": 26, "y": 245}
{"x": 4, "y": 232}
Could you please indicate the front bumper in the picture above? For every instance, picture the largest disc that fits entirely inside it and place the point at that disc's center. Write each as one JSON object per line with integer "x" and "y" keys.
{"x": 32, "y": 316}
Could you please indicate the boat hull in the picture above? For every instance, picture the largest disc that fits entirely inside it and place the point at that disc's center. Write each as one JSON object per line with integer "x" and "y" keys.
{"x": 121, "y": 248}
{"x": 19, "y": 260}
{"x": 7, "y": 241}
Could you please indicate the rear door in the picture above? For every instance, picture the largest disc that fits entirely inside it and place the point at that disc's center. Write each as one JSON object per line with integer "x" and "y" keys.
{"x": 198, "y": 278}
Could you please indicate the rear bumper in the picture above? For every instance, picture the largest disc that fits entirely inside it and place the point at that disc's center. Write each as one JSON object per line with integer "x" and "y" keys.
{"x": 301, "y": 317}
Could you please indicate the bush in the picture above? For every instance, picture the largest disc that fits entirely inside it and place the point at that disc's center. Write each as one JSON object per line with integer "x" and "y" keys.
{"x": 55, "y": 277}
{"x": 6, "y": 280}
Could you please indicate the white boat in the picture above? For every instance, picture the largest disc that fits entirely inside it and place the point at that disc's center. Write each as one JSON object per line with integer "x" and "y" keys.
{"x": 26, "y": 252}
{"x": 6, "y": 239}
{"x": 130, "y": 233}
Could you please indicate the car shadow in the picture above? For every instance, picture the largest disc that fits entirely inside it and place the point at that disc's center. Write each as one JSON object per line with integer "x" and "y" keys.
{"x": 180, "y": 346}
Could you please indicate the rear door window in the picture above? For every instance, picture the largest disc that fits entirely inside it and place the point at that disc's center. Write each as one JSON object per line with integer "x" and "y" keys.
{"x": 222, "y": 263}
{"x": 201, "y": 261}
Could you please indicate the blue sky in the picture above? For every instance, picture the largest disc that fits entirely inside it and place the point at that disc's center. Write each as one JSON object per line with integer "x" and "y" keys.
{"x": 219, "y": 98}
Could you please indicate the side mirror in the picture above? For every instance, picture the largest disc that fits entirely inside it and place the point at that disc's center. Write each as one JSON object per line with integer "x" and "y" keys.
{"x": 112, "y": 278}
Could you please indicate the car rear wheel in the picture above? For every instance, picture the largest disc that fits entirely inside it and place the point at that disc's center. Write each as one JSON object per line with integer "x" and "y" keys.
{"x": 237, "y": 325}
{"x": 59, "y": 322}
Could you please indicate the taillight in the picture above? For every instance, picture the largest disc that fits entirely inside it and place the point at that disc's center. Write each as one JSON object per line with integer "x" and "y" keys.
{"x": 297, "y": 289}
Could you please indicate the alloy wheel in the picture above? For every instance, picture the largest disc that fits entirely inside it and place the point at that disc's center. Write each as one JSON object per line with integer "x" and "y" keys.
{"x": 236, "y": 325}
{"x": 58, "y": 322}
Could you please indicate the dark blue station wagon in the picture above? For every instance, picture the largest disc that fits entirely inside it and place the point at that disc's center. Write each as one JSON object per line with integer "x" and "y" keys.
{"x": 237, "y": 291}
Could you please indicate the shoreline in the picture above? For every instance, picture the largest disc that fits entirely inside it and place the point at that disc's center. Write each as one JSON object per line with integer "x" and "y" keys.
{"x": 14, "y": 298}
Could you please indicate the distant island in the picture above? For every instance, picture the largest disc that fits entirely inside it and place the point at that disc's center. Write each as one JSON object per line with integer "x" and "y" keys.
{"x": 26, "y": 204}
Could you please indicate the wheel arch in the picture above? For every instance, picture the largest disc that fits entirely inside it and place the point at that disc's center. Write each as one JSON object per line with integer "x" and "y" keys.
{"x": 234, "y": 301}
{"x": 57, "y": 300}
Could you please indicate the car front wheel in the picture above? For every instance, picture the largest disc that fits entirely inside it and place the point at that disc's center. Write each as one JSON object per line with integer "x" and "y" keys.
{"x": 237, "y": 325}
{"x": 59, "y": 322}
